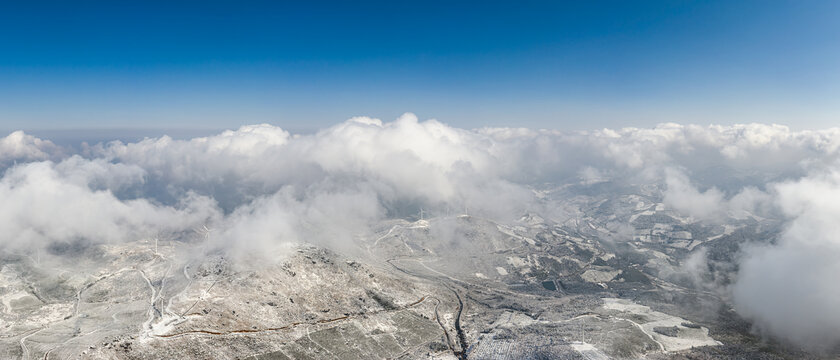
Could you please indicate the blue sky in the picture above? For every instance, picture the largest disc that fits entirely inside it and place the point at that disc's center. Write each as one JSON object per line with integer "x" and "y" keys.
{"x": 562, "y": 65}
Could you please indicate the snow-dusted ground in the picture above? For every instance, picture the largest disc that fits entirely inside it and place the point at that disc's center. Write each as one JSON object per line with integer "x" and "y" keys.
{"x": 686, "y": 337}
{"x": 588, "y": 351}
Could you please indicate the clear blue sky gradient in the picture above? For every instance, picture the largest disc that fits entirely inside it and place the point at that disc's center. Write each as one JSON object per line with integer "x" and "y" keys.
{"x": 563, "y": 65}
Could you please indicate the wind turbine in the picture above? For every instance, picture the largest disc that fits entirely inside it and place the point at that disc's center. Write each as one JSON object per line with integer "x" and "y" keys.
{"x": 582, "y": 335}
{"x": 204, "y": 231}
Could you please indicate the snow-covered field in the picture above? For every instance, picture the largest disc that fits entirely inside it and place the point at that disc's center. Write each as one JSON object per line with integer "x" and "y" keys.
{"x": 686, "y": 337}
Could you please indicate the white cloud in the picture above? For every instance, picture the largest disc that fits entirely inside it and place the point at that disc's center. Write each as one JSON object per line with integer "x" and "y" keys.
{"x": 684, "y": 197}
{"x": 19, "y": 146}
{"x": 790, "y": 289}
{"x": 262, "y": 188}
{"x": 40, "y": 207}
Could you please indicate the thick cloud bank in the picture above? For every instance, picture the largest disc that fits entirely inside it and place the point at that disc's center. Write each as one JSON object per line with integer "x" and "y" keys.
{"x": 791, "y": 288}
{"x": 259, "y": 188}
